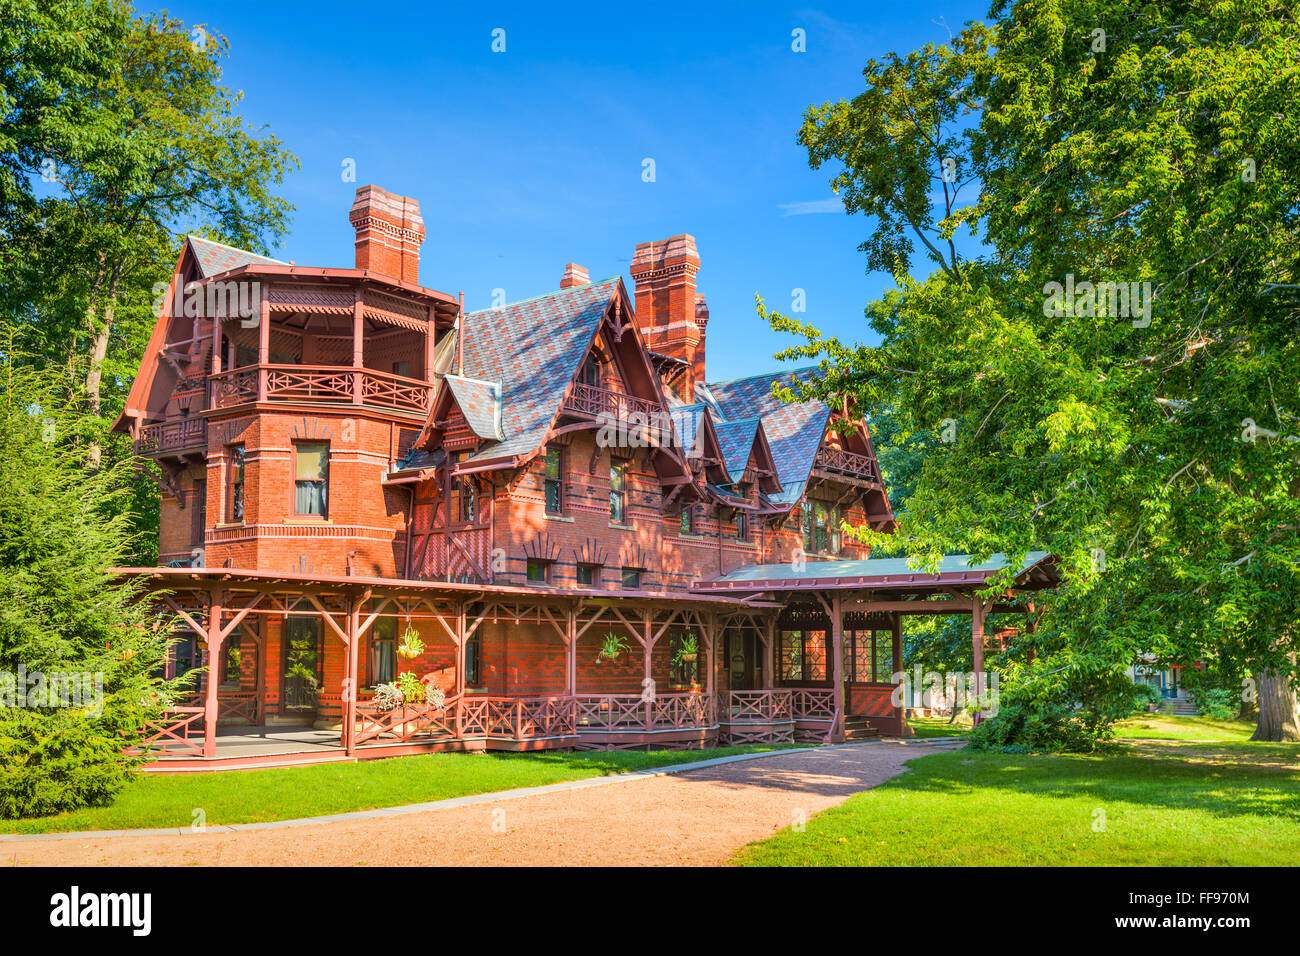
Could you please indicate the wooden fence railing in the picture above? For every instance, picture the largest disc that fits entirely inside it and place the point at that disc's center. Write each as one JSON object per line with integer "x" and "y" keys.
{"x": 812, "y": 703}
{"x": 329, "y": 383}
{"x": 517, "y": 718}
{"x": 178, "y": 731}
{"x": 762, "y": 705}
{"x": 406, "y": 722}
{"x": 631, "y": 712}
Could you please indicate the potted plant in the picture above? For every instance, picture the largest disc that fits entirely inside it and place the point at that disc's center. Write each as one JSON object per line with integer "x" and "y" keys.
{"x": 434, "y": 695}
{"x": 387, "y": 696}
{"x": 410, "y": 646}
{"x": 687, "y": 649}
{"x": 612, "y": 648}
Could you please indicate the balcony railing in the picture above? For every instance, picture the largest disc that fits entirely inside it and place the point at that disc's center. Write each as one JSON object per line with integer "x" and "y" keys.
{"x": 175, "y": 435}
{"x": 302, "y": 383}
{"x": 594, "y": 400}
{"x": 847, "y": 463}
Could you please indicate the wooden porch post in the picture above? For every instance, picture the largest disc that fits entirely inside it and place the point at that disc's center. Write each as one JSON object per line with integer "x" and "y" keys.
{"x": 896, "y": 632}
{"x": 837, "y": 670}
{"x": 358, "y": 360}
{"x": 460, "y": 647}
{"x": 259, "y": 687}
{"x": 571, "y": 651}
{"x": 647, "y": 682}
{"x": 263, "y": 342}
{"x": 710, "y": 628}
{"x": 216, "y": 345}
{"x": 769, "y": 656}
{"x": 214, "y": 657}
{"x": 977, "y": 648}
{"x": 350, "y": 678}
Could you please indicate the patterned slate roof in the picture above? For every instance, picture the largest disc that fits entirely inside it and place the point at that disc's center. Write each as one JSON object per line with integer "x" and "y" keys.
{"x": 533, "y": 348}
{"x": 737, "y": 440}
{"x": 215, "y": 257}
{"x": 687, "y": 422}
{"x": 794, "y": 430}
{"x": 480, "y": 402}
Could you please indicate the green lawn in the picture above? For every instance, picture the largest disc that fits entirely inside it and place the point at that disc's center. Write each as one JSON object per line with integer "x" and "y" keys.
{"x": 1171, "y": 727}
{"x": 284, "y": 793}
{"x": 1164, "y": 803}
{"x": 938, "y": 727}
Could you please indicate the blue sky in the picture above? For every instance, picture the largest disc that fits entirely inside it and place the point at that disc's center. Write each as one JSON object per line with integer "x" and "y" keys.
{"x": 528, "y": 159}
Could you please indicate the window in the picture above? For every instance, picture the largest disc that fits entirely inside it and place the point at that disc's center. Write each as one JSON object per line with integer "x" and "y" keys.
{"x": 587, "y": 575}
{"x": 464, "y": 496}
{"x": 235, "y": 473}
{"x": 590, "y": 374}
{"x": 185, "y": 654}
{"x": 402, "y": 368}
{"x": 230, "y": 662}
{"x": 688, "y": 520}
{"x": 742, "y": 526}
{"x": 833, "y": 530}
{"x": 632, "y": 579}
{"x": 383, "y": 651}
{"x": 801, "y": 657}
{"x": 554, "y": 480}
{"x": 618, "y": 492}
{"x": 815, "y": 532}
{"x": 539, "y": 571}
{"x": 311, "y": 478}
{"x": 473, "y": 659}
{"x": 806, "y": 523}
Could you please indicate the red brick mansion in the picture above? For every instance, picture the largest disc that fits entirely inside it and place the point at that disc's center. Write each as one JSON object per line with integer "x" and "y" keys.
{"x": 544, "y": 512}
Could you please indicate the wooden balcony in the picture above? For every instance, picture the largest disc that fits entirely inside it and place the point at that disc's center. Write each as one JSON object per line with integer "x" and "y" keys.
{"x": 319, "y": 384}
{"x": 173, "y": 437}
{"x": 836, "y": 463}
{"x": 603, "y": 402}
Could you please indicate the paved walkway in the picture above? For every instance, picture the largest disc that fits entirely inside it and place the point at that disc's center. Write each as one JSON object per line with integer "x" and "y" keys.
{"x": 697, "y": 817}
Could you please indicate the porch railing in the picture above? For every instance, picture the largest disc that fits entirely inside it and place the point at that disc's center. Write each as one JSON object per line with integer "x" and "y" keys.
{"x": 406, "y": 722}
{"x": 178, "y": 731}
{"x": 631, "y": 712}
{"x": 517, "y": 718}
{"x": 812, "y": 703}
{"x": 329, "y": 383}
{"x": 759, "y": 705}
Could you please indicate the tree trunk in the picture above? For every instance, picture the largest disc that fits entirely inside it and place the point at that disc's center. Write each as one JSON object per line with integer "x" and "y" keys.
{"x": 1279, "y": 711}
{"x": 101, "y": 334}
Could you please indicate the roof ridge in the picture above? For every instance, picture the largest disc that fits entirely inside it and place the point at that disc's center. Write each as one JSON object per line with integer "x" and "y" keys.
{"x": 544, "y": 295}
{"x": 748, "y": 378}
{"x": 226, "y": 245}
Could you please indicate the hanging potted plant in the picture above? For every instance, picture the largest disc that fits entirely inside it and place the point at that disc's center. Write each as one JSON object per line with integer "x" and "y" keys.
{"x": 410, "y": 646}
{"x": 612, "y": 648}
{"x": 687, "y": 649}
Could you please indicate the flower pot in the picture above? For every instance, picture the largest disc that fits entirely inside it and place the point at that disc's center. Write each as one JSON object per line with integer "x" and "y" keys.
{"x": 689, "y": 658}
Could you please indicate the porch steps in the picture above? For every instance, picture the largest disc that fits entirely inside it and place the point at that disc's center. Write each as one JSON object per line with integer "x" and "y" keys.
{"x": 1183, "y": 708}
{"x": 857, "y": 729}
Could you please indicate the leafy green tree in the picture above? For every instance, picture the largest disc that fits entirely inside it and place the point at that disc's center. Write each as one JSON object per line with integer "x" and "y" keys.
{"x": 116, "y": 135}
{"x": 62, "y": 527}
{"x": 1116, "y": 375}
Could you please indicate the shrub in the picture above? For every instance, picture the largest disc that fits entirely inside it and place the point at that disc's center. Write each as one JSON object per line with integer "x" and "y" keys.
{"x": 1215, "y": 702}
{"x": 1020, "y": 727}
{"x": 1144, "y": 695}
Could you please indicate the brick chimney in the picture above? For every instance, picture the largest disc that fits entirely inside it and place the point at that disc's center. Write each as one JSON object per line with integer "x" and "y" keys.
{"x": 389, "y": 232}
{"x": 701, "y": 321}
{"x": 664, "y": 273}
{"x": 574, "y": 274}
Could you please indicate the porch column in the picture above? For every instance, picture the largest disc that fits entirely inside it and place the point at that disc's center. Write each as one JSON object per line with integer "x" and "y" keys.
{"x": 710, "y": 628}
{"x": 460, "y": 647}
{"x": 358, "y": 362}
{"x": 213, "y": 662}
{"x": 430, "y": 346}
{"x": 896, "y": 631}
{"x": 263, "y": 342}
{"x": 647, "y": 682}
{"x": 837, "y": 671}
{"x": 571, "y": 651}
{"x": 350, "y": 676}
{"x": 216, "y": 345}
{"x": 977, "y": 648}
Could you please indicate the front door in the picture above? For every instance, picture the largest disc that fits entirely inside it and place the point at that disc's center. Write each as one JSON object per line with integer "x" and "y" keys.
{"x": 302, "y": 665}
{"x": 744, "y": 660}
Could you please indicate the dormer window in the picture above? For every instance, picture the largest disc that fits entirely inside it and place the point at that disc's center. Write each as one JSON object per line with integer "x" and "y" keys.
{"x": 590, "y": 374}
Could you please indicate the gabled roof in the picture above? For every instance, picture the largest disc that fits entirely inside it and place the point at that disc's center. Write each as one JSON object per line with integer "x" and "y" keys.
{"x": 533, "y": 348}
{"x": 480, "y": 403}
{"x": 737, "y": 440}
{"x": 794, "y": 429}
{"x": 214, "y": 258}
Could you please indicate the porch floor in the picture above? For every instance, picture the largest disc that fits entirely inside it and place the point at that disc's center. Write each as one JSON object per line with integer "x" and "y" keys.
{"x": 268, "y": 741}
